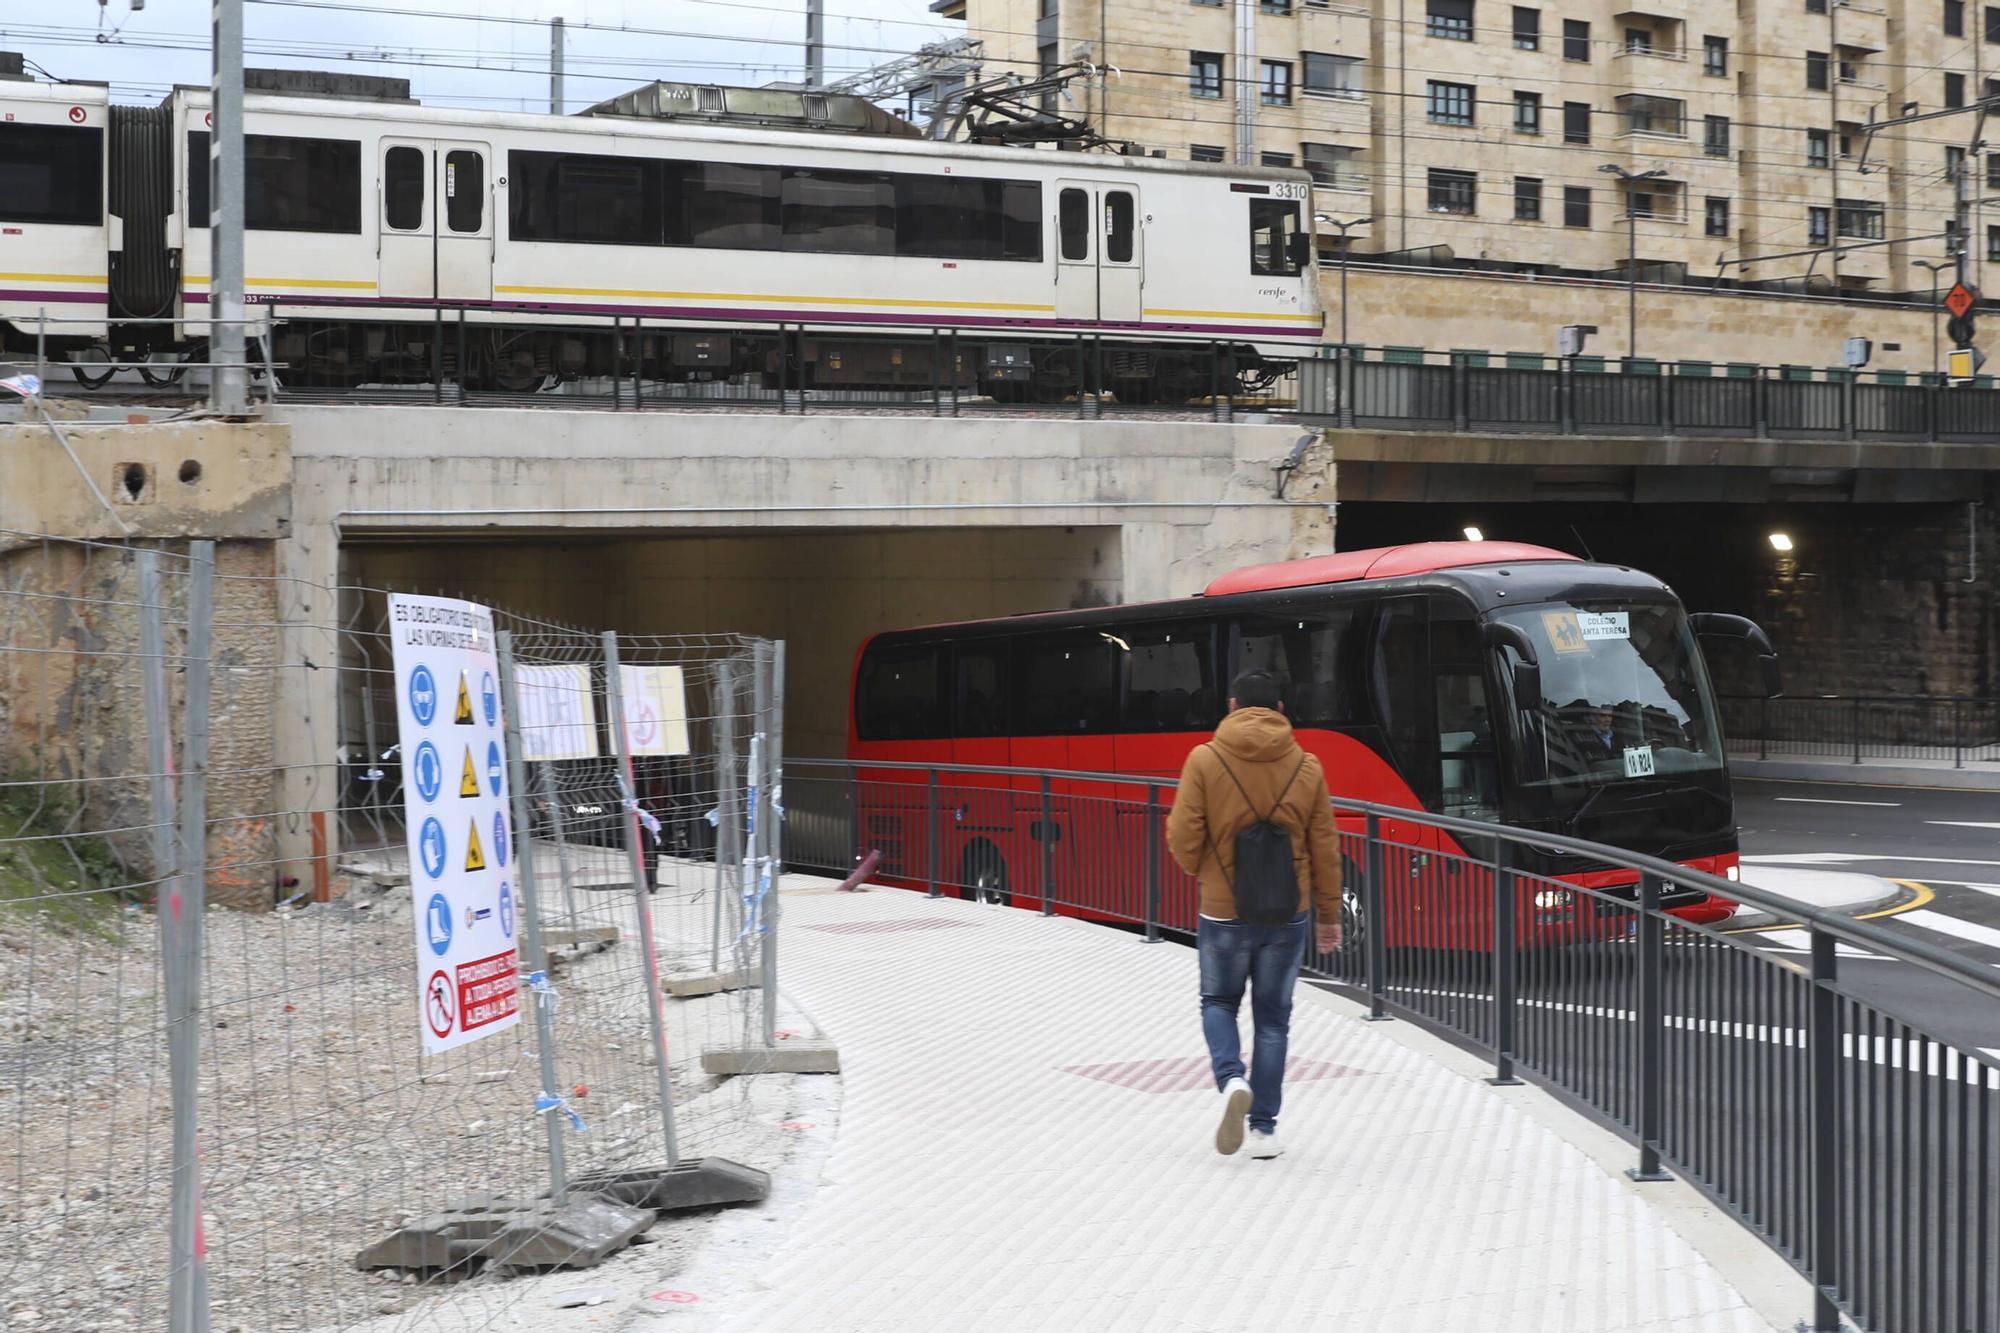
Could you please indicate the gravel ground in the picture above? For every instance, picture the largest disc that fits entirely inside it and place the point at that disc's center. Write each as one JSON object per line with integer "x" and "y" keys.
{"x": 323, "y": 1125}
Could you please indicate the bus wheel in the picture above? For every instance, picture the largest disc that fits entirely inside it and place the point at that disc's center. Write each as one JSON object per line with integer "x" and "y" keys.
{"x": 983, "y": 876}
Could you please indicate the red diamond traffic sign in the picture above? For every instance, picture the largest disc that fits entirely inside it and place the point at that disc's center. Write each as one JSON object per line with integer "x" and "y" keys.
{"x": 1959, "y": 299}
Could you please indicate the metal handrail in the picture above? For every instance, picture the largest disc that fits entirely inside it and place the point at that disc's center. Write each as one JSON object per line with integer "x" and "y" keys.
{"x": 1849, "y": 929}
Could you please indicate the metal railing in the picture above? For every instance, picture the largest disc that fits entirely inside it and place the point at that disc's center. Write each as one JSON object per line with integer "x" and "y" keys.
{"x": 94, "y": 366}
{"x": 1808, "y": 1104}
{"x": 1926, "y": 729}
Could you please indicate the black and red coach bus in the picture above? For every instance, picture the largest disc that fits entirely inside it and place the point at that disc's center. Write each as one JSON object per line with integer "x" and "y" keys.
{"x": 1491, "y": 681}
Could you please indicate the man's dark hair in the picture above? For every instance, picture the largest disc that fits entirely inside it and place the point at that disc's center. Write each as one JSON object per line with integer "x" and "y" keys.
{"x": 1255, "y": 689}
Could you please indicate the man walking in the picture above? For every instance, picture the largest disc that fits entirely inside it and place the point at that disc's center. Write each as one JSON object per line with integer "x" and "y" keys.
{"x": 1251, "y": 821}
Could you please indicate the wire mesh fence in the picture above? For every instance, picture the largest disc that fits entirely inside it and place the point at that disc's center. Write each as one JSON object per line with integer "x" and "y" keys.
{"x": 221, "y": 1112}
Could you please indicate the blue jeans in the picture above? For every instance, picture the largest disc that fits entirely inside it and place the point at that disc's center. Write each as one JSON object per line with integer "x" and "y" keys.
{"x": 1267, "y": 959}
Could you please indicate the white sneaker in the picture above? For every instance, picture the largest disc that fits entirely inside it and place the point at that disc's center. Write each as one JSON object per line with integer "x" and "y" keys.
{"x": 1264, "y": 1143}
{"x": 1235, "y": 1110}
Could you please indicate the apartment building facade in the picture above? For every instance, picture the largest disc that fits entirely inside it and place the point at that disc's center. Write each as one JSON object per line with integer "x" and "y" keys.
{"x": 1714, "y": 138}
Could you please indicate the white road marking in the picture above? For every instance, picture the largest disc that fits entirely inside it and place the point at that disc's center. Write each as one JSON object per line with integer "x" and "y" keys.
{"x": 1962, "y": 823}
{"x": 1951, "y": 925}
{"x": 1799, "y": 941}
{"x": 1851, "y": 858}
{"x": 1828, "y": 800}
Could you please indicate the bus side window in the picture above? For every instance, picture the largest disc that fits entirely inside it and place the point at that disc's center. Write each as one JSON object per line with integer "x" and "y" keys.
{"x": 1065, "y": 684}
{"x": 1170, "y": 678}
{"x": 980, "y": 690}
{"x": 1468, "y": 768}
{"x": 1313, "y": 658}
{"x": 899, "y": 695}
{"x": 1398, "y": 672}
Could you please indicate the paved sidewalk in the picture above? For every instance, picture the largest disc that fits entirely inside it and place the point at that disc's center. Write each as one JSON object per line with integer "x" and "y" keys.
{"x": 1025, "y": 1142}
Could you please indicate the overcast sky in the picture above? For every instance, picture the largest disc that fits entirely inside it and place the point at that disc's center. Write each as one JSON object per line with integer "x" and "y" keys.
{"x": 481, "y": 53}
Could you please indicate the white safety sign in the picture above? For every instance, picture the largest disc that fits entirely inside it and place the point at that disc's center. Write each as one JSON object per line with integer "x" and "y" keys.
{"x": 558, "y": 717}
{"x": 655, "y": 699}
{"x": 1605, "y": 624}
{"x": 455, "y": 806}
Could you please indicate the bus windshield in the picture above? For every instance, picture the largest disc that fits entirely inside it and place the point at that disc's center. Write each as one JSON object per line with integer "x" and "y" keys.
{"x": 1624, "y": 698}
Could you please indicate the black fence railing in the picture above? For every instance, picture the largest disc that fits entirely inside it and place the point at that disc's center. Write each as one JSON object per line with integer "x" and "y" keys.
{"x": 1862, "y": 1148}
{"x": 1859, "y": 728}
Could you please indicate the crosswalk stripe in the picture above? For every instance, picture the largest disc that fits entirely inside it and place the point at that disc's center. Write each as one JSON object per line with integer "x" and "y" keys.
{"x": 1963, "y": 823}
{"x": 1799, "y": 941}
{"x": 1951, "y": 925}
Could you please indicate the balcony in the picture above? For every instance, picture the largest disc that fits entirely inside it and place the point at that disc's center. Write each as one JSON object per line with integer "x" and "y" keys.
{"x": 1646, "y": 35}
{"x": 1641, "y": 115}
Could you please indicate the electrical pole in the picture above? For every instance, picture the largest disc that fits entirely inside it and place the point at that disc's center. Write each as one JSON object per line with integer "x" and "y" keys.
{"x": 555, "y": 67}
{"x": 1631, "y": 252}
{"x": 229, "y": 387}
{"x": 1344, "y": 226}
{"x": 815, "y": 43}
{"x": 1935, "y": 266}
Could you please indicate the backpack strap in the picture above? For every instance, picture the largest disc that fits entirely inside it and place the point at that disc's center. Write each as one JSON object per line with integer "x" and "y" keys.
{"x": 1283, "y": 791}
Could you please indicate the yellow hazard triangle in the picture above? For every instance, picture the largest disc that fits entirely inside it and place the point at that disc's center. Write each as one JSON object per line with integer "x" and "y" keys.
{"x": 464, "y": 717}
{"x": 469, "y": 784}
{"x": 474, "y": 858}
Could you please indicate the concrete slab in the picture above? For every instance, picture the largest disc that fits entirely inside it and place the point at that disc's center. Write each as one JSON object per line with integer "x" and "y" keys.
{"x": 1873, "y": 773}
{"x": 705, "y": 983}
{"x": 795, "y": 1055}
{"x": 705, "y": 1182}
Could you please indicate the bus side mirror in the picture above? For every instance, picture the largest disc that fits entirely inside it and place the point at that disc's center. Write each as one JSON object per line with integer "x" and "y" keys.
{"x": 1528, "y": 671}
{"x": 1721, "y": 625}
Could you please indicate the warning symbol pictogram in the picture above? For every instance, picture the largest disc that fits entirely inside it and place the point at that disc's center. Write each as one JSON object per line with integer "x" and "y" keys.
{"x": 439, "y": 1010}
{"x": 1959, "y": 299}
{"x": 463, "y": 717}
{"x": 468, "y": 785}
{"x": 474, "y": 858}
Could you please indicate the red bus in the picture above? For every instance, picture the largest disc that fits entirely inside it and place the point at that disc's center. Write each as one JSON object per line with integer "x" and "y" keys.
{"x": 1490, "y": 681}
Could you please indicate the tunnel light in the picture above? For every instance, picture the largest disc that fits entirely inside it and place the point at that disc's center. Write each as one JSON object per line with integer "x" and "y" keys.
{"x": 1781, "y": 541}
{"x": 1474, "y": 535}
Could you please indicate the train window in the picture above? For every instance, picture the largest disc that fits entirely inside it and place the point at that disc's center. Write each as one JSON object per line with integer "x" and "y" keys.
{"x": 956, "y": 217}
{"x": 1313, "y": 655}
{"x": 980, "y": 673}
{"x": 1065, "y": 685}
{"x": 1170, "y": 677}
{"x": 728, "y": 208}
{"x": 51, "y": 174}
{"x": 403, "y": 188}
{"x": 289, "y": 184}
{"x": 1274, "y": 231}
{"x": 839, "y": 212}
{"x": 1021, "y": 220}
{"x": 464, "y": 190}
{"x": 1118, "y": 227}
{"x": 899, "y": 695}
{"x": 1075, "y": 223}
{"x": 587, "y": 198}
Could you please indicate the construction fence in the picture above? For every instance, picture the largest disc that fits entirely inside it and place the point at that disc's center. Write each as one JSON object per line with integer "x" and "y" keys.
{"x": 222, "y": 1110}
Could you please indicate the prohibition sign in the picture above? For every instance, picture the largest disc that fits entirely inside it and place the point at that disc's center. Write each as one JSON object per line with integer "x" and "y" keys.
{"x": 438, "y": 1004}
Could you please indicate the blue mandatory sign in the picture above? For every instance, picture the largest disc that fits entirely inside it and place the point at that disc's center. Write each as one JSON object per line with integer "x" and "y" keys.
{"x": 489, "y": 697}
{"x": 423, "y": 695}
{"x": 437, "y": 924}
{"x": 430, "y": 772}
{"x": 500, "y": 836}
{"x": 506, "y": 909}
{"x": 430, "y": 846}
{"x": 494, "y": 772}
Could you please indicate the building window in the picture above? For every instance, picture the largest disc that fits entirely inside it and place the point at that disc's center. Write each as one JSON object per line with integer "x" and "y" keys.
{"x": 1816, "y": 70}
{"x": 1638, "y": 41}
{"x": 1816, "y": 226}
{"x": 1576, "y": 122}
{"x": 1277, "y": 82}
{"x": 1450, "y": 19}
{"x": 1205, "y": 73}
{"x": 1993, "y": 24}
{"x": 1954, "y": 18}
{"x": 1992, "y": 242}
{"x": 1204, "y": 152}
{"x": 1329, "y": 75}
{"x": 1954, "y": 161}
{"x": 1815, "y": 6}
{"x": 1576, "y": 206}
{"x": 1715, "y": 56}
{"x": 1527, "y": 29}
{"x": 1330, "y": 164}
{"x": 1715, "y": 136}
{"x": 1850, "y": 72}
{"x": 1576, "y": 39}
{"x": 1528, "y": 113}
{"x": 1858, "y": 219}
{"x": 1276, "y": 159}
{"x": 1991, "y": 88}
{"x": 1452, "y": 191}
{"x": 1819, "y": 148}
{"x": 1951, "y": 236}
{"x": 1645, "y": 114}
{"x": 1450, "y": 103}
{"x": 1954, "y": 90}
{"x": 1718, "y": 217}
{"x": 1993, "y": 171}
{"x": 1527, "y": 199}
{"x": 1281, "y": 8}
{"x": 1211, "y": 4}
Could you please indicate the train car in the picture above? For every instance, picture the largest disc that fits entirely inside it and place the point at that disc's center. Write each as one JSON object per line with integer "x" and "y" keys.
{"x": 58, "y": 237}
{"x": 678, "y": 249}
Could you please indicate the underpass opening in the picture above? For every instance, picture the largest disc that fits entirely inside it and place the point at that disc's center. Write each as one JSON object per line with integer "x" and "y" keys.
{"x": 821, "y": 592}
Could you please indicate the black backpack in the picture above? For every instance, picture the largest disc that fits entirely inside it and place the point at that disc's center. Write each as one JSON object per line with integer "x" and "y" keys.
{"x": 1266, "y": 882}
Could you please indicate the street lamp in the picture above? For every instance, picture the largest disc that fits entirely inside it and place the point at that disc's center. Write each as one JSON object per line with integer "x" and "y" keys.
{"x": 1631, "y": 251}
{"x": 1935, "y": 266}
{"x": 1336, "y": 222}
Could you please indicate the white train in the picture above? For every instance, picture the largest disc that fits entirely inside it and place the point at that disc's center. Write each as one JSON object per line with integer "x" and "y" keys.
{"x": 391, "y": 240}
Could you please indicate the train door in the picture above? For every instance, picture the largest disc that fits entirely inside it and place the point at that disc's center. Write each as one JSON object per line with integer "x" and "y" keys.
{"x": 437, "y": 223}
{"x": 1100, "y": 267}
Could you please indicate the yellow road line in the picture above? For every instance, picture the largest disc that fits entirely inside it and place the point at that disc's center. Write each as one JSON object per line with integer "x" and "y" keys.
{"x": 1920, "y": 895}
{"x": 751, "y": 296}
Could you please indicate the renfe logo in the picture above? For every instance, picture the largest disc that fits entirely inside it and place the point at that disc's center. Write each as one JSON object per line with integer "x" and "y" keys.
{"x": 77, "y": 115}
